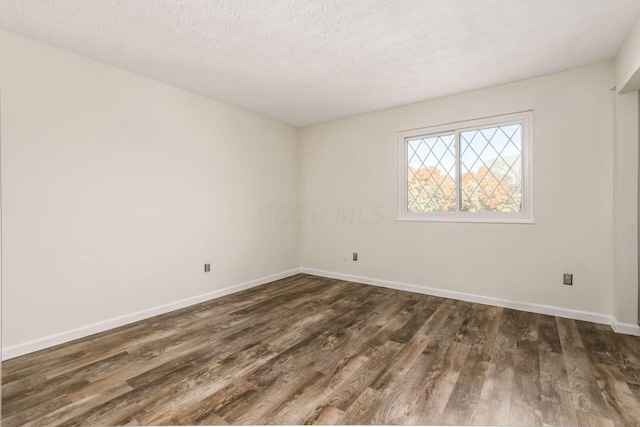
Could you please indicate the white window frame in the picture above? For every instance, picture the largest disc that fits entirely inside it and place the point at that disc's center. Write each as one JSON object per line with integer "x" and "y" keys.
{"x": 525, "y": 119}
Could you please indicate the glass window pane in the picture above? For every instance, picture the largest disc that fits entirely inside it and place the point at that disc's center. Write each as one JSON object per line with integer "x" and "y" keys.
{"x": 431, "y": 174}
{"x": 491, "y": 169}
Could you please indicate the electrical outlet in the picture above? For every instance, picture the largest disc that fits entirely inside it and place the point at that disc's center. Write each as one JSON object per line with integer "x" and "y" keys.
{"x": 567, "y": 279}
{"x": 355, "y": 256}
{"x": 207, "y": 268}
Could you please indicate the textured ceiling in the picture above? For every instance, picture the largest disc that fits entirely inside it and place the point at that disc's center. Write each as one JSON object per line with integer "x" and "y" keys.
{"x": 310, "y": 61}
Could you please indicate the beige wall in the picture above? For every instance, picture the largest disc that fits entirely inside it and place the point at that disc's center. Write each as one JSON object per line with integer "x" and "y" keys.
{"x": 627, "y": 74}
{"x": 117, "y": 188}
{"x": 352, "y": 164}
{"x": 627, "y": 62}
{"x": 625, "y": 290}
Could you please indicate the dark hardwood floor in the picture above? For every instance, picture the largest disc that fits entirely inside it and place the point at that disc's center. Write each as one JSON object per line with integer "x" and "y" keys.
{"x": 310, "y": 350}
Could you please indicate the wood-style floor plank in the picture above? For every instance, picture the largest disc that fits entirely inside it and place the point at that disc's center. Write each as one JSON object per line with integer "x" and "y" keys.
{"x": 313, "y": 350}
{"x": 480, "y": 333}
{"x": 587, "y": 397}
{"x": 525, "y": 403}
{"x": 492, "y": 408}
{"x": 555, "y": 391}
{"x": 438, "y": 382}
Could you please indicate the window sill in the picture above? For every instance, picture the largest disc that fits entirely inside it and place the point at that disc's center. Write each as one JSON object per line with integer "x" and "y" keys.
{"x": 467, "y": 220}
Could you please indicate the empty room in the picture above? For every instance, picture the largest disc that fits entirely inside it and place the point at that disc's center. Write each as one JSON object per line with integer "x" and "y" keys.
{"x": 283, "y": 212}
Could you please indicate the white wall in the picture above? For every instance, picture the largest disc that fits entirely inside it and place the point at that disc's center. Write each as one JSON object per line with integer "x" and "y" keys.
{"x": 117, "y": 188}
{"x": 625, "y": 304}
{"x": 627, "y": 72}
{"x": 627, "y": 62}
{"x": 352, "y": 164}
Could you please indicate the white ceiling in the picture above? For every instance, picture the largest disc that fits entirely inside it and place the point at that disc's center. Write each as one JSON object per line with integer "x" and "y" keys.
{"x": 310, "y": 61}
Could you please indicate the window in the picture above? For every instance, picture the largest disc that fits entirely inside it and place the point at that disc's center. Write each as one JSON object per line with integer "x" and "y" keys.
{"x": 476, "y": 171}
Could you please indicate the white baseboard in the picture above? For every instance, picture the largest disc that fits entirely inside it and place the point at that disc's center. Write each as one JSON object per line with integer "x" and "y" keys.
{"x": 84, "y": 331}
{"x": 623, "y": 328}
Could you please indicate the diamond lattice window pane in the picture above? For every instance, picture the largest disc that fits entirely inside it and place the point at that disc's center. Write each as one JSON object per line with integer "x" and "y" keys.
{"x": 491, "y": 169}
{"x": 431, "y": 174}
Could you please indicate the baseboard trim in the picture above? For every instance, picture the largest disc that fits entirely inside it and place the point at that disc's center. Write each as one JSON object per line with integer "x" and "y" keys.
{"x": 94, "y": 328}
{"x": 84, "y": 331}
{"x": 604, "y": 319}
{"x": 625, "y": 328}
